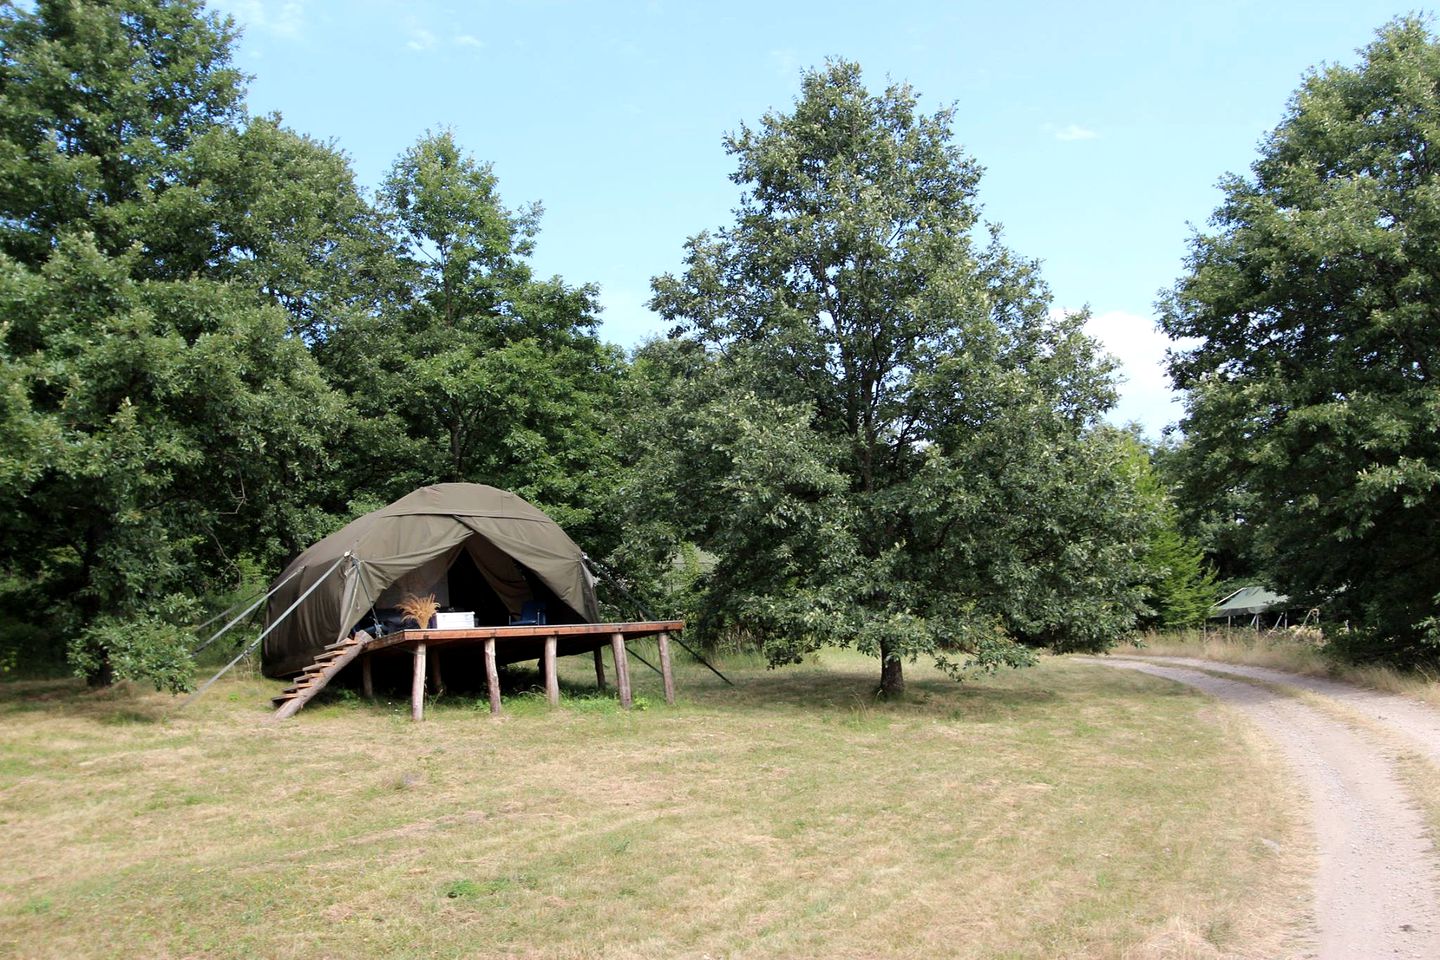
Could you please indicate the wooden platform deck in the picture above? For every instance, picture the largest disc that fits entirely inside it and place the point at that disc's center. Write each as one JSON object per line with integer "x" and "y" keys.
{"x": 507, "y": 644}
{"x": 595, "y": 631}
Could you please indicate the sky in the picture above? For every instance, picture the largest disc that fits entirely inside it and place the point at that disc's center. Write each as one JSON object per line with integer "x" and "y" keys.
{"x": 1103, "y": 128}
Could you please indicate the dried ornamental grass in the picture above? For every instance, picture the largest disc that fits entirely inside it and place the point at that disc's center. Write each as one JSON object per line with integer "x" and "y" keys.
{"x": 419, "y": 609}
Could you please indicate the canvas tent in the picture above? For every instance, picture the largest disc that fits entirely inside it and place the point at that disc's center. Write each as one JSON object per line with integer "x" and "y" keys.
{"x": 477, "y": 548}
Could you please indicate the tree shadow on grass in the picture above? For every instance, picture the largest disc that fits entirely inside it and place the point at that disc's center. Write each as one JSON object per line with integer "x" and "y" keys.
{"x": 834, "y": 691}
{"x": 845, "y": 691}
{"x": 122, "y": 703}
{"x": 1056, "y": 685}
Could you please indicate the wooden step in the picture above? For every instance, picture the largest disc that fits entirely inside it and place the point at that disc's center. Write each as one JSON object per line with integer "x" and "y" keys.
{"x": 327, "y": 664}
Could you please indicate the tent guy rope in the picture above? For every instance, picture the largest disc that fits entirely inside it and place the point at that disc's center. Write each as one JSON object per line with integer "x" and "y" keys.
{"x": 266, "y": 632}
{"x": 251, "y": 609}
{"x": 640, "y": 607}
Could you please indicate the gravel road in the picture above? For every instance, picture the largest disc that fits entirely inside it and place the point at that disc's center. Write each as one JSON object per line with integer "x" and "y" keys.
{"x": 1377, "y": 887}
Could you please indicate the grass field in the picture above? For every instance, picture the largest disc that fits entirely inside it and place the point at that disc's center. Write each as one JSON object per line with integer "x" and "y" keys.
{"x": 1064, "y": 811}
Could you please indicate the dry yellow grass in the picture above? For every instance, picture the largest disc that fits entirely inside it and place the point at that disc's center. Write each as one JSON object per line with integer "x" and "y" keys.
{"x": 1065, "y": 811}
{"x": 1288, "y": 650}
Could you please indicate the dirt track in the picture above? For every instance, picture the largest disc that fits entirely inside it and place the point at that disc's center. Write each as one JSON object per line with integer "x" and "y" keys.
{"x": 1415, "y": 722}
{"x": 1377, "y": 887}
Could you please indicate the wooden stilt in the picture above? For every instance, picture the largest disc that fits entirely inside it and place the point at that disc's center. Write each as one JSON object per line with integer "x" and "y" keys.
{"x": 666, "y": 674}
{"x": 552, "y": 682}
{"x": 492, "y": 676}
{"x": 437, "y": 686}
{"x": 622, "y": 668}
{"x": 417, "y": 685}
{"x": 367, "y": 678}
{"x": 599, "y": 669}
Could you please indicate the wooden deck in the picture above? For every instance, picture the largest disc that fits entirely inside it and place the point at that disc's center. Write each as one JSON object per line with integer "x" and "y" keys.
{"x": 507, "y": 644}
{"x": 595, "y": 631}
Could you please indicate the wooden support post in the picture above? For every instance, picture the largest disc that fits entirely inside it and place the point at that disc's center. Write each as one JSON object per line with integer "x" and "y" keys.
{"x": 622, "y": 668}
{"x": 437, "y": 685}
{"x": 417, "y": 685}
{"x": 552, "y": 682}
{"x": 367, "y": 678}
{"x": 599, "y": 669}
{"x": 663, "y": 639}
{"x": 492, "y": 676}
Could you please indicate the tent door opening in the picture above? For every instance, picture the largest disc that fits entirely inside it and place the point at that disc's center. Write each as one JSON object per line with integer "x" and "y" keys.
{"x": 474, "y": 576}
{"x": 469, "y": 591}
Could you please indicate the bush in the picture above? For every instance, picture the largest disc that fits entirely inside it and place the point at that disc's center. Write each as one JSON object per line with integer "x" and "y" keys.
{"x": 151, "y": 647}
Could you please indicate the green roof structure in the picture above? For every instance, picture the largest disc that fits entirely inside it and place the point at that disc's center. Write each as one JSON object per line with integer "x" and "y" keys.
{"x": 1247, "y": 602}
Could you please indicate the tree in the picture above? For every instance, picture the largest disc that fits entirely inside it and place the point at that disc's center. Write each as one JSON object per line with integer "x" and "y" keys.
{"x": 1209, "y": 510}
{"x": 161, "y": 261}
{"x": 888, "y": 440}
{"x": 1180, "y": 584}
{"x": 476, "y": 371}
{"x": 99, "y": 105}
{"x": 155, "y": 429}
{"x": 1311, "y": 398}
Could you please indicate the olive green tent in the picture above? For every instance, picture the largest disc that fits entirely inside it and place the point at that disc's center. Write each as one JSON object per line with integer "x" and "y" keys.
{"x": 475, "y": 547}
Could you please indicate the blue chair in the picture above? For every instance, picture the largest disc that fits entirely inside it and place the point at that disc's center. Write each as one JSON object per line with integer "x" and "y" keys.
{"x": 532, "y": 613}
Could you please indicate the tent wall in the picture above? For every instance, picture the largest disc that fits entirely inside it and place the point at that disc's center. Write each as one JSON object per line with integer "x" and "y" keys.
{"x": 416, "y": 539}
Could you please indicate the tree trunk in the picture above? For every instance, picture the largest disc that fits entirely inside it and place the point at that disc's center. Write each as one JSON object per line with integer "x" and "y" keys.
{"x": 89, "y": 607}
{"x": 892, "y": 672}
{"x": 103, "y": 675}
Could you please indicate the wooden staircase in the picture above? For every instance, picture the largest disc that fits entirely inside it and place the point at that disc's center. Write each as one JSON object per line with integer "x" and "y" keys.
{"x": 331, "y": 661}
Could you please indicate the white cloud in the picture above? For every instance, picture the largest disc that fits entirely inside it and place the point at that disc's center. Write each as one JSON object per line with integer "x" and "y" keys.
{"x": 1073, "y": 132}
{"x": 285, "y": 20}
{"x": 786, "y": 62}
{"x": 468, "y": 40}
{"x": 1138, "y": 345}
{"x": 420, "y": 39}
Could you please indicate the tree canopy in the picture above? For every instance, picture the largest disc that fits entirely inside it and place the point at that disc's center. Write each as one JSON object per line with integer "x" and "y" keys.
{"x": 475, "y": 370}
{"x": 216, "y": 350}
{"x": 1312, "y": 411}
{"x": 890, "y": 439}
{"x": 158, "y": 413}
{"x": 869, "y": 418}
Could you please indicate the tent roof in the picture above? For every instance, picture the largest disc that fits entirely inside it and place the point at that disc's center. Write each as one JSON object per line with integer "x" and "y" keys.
{"x": 361, "y": 559}
{"x": 1249, "y": 601}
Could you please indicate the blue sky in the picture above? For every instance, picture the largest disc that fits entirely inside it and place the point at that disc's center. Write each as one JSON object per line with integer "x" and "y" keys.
{"x": 1103, "y": 128}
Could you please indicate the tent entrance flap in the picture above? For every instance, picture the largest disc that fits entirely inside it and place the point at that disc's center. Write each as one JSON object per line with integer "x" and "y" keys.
{"x": 474, "y": 575}
{"x": 430, "y": 578}
{"x": 501, "y": 574}
{"x": 549, "y": 568}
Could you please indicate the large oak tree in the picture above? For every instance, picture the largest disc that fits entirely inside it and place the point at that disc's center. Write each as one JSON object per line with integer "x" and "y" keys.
{"x": 878, "y": 424}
